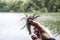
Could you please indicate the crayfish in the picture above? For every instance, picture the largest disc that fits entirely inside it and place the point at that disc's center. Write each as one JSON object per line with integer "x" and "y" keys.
{"x": 27, "y": 21}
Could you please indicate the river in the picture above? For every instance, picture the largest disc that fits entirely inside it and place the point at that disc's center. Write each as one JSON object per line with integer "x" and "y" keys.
{"x": 10, "y": 25}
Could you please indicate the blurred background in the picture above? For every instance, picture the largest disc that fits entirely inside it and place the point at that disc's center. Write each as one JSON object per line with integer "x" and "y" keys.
{"x": 29, "y": 5}
{"x": 11, "y": 11}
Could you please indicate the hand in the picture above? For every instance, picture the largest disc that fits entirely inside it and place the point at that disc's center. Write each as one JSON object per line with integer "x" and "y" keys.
{"x": 44, "y": 31}
{"x": 34, "y": 23}
{"x": 36, "y": 36}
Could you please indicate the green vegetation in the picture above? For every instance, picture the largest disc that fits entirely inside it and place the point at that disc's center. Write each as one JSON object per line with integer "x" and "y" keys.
{"x": 51, "y": 21}
{"x": 30, "y": 6}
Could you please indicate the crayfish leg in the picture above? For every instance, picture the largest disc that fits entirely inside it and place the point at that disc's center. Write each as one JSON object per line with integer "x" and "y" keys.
{"x": 23, "y": 27}
{"x": 26, "y": 15}
{"x": 23, "y": 18}
{"x": 36, "y": 16}
{"x": 29, "y": 29}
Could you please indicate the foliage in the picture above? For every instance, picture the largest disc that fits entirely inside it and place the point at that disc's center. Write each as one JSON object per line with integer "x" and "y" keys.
{"x": 30, "y": 6}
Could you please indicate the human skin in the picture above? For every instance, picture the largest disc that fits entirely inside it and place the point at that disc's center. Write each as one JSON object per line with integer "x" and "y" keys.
{"x": 44, "y": 31}
{"x": 37, "y": 33}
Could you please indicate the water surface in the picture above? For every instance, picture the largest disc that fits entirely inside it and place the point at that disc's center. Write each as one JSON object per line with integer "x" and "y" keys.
{"x": 10, "y": 25}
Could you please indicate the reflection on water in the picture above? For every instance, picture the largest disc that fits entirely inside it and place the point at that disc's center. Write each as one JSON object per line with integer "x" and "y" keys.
{"x": 10, "y": 25}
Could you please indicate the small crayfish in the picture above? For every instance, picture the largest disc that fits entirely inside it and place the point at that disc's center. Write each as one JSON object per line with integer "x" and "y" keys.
{"x": 27, "y": 21}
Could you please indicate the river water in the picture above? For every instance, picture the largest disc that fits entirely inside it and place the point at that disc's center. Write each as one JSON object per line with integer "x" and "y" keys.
{"x": 10, "y": 25}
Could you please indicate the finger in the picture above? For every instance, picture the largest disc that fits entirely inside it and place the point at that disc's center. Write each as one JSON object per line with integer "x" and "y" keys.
{"x": 34, "y": 37}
